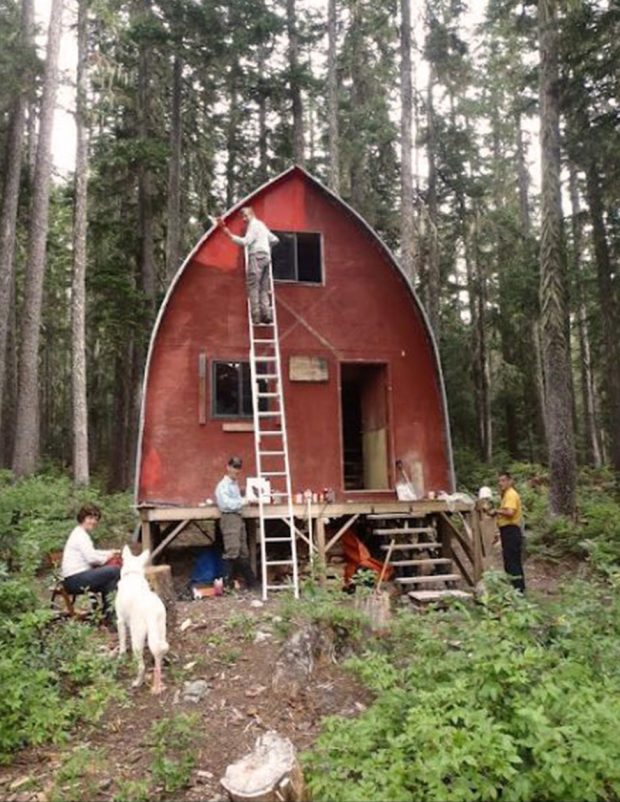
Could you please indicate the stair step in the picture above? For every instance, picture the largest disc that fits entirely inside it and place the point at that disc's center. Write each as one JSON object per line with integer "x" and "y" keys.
{"x": 437, "y": 595}
{"x": 430, "y": 561}
{"x": 422, "y": 580}
{"x": 412, "y": 546}
{"x": 415, "y": 530}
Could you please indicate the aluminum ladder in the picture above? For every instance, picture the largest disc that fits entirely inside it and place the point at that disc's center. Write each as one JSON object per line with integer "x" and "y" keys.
{"x": 270, "y": 442}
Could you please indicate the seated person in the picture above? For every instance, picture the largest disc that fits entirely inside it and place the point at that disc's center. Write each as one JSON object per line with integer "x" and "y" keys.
{"x": 83, "y": 566}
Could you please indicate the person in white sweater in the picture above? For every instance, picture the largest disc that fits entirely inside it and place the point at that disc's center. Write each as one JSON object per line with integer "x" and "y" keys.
{"x": 257, "y": 240}
{"x": 82, "y": 566}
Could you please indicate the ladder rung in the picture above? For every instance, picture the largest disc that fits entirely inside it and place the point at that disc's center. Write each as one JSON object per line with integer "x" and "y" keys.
{"x": 280, "y": 495}
{"x": 270, "y": 432}
{"x": 278, "y": 587}
{"x": 271, "y": 453}
{"x": 261, "y": 358}
{"x": 278, "y": 562}
{"x": 261, "y": 376}
{"x": 267, "y": 395}
{"x": 277, "y": 540}
{"x": 273, "y": 473}
{"x": 264, "y": 341}
{"x": 269, "y": 414}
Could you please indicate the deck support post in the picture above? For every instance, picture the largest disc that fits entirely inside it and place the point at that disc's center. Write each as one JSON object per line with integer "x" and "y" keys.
{"x": 322, "y": 552}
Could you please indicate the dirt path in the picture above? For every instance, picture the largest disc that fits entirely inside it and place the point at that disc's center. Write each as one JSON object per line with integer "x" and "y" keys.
{"x": 222, "y": 646}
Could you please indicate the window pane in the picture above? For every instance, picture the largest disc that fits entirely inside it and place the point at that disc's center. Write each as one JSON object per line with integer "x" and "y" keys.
{"x": 226, "y": 384}
{"x": 283, "y": 257}
{"x": 246, "y": 389}
{"x": 309, "y": 257}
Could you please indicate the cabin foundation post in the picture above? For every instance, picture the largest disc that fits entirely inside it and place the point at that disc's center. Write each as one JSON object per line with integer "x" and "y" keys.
{"x": 147, "y": 536}
{"x": 250, "y": 525}
{"x": 322, "y": 551}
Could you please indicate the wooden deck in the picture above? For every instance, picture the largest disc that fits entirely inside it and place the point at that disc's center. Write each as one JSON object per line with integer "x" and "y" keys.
{"x": 160, "y": 525}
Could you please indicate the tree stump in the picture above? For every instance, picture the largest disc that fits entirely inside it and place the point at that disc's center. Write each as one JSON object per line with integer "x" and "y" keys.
{"x": 159, "y": 578}
{"x": 270, "y": 773}
{"x": 376, "y": 607}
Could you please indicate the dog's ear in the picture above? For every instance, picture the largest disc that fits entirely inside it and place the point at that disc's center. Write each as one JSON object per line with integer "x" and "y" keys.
{"x": 126, "y": 553}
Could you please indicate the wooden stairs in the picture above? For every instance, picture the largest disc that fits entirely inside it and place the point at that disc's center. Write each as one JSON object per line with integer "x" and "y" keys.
{"x": 420, "y": 559}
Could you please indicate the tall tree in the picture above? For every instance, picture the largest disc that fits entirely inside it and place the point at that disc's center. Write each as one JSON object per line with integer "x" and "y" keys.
{"x": 10, "y": 199}
{"x": 80, "y": 221}
{"x": 553, "y": 289}
{"x": 295, "y": 84}
{"x": 173, "y": 230}
{"x": 407, "y": 223}
{"x": 26, "y": 452}
{"x": 333, "y": 143}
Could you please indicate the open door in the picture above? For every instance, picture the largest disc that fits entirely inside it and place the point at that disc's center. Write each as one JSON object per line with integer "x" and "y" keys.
{"x": 364, "y": 426}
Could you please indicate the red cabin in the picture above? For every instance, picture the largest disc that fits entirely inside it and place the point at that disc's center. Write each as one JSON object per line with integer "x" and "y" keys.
{"x": 361, "y": 377}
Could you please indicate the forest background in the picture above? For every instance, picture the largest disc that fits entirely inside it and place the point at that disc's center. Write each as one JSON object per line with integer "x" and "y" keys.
{"x": 481, "y": 143}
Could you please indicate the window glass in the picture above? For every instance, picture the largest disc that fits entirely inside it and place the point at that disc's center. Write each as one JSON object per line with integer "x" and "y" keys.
{"x": 283, "y": 257}
{"x": 226, "y": 388}
{"x": 309, "y": 257}
{"x": 297, "y": 257}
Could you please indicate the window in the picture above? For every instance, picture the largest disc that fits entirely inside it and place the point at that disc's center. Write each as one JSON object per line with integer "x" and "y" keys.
{"x": 232, "y": 390}
{"x": 297, "y": 257}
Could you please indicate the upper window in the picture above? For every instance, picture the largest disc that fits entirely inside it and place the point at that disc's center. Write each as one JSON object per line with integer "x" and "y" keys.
{"x": 297, "y": 257}
{"x": 232, "y": 390}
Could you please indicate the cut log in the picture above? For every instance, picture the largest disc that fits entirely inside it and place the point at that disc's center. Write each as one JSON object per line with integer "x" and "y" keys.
{"x": 376, "y": 607}
{"x": 159, "y": 578}
{"x": 270, "y": 773}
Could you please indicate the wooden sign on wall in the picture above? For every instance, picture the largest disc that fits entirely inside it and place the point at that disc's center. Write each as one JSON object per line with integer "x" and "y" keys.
{"x": 308, "y": 369}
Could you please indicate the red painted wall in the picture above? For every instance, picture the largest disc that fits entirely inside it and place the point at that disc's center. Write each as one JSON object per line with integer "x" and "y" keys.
{"x": 364, "y": 312}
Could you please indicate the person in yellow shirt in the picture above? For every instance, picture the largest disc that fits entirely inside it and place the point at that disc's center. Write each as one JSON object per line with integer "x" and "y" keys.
{"x": 509, "y": 521}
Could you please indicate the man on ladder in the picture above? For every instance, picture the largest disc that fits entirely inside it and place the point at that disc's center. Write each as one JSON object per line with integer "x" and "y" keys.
{"x": 258, "y": 240}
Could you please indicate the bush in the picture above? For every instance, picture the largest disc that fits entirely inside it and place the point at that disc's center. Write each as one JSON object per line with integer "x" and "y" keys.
{"x": 50, "y": 675}
{"x": 506, "y": 701}
{"x": 37, "y": 514}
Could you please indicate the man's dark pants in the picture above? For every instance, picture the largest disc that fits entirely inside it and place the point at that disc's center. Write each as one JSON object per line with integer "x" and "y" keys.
{"x": 512, "y": 551}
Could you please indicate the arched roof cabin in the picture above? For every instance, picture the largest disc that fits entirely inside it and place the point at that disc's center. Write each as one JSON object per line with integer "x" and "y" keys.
{"x": 361, "y": 377}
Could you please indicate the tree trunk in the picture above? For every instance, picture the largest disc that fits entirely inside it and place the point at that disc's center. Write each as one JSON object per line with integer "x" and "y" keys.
{"x": 145, "y": 178}
{"x": 332, "y": 96}
{"x": 407, "y": 223}
{"x": 10, "y": 199}
{"x": 26, "y": 452}
{"x": 433, "y": 290}
{"x": 608, "y": 306}
{"x": 523, "y": 180}
{"x": 262, "y": 116}
{"x": 173, "y": 235}
{"x": 80, "y": 222}
{"x": 592, "y": 446}
{"x": 231, "y": 140}
{"x": 553, "y": 291}
{"x": 295, "y": 88}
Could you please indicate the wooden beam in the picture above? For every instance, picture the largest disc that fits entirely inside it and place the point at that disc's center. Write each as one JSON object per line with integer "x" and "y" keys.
{"x": 202, "y": 388}
{"x": 342, "y": 530}
{"x": 320, "y": 545}
{"x": 466, "y": 545}
{"x": 169, "y": 538}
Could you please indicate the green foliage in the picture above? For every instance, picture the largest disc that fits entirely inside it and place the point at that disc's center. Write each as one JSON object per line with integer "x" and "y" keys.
{"x": 38, "y": 513}
{"x": 241, "y": 624}
{"x": 132, "y": 791}
{"x": 172, "y": 739}
{"x": 507, "y": 701}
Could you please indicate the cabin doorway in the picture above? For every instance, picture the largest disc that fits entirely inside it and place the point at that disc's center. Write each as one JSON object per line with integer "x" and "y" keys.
{"x": 364, "y": 418}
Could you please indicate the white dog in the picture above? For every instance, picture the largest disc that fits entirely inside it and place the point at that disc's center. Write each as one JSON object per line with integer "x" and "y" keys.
{"x": 143, "y": 613}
